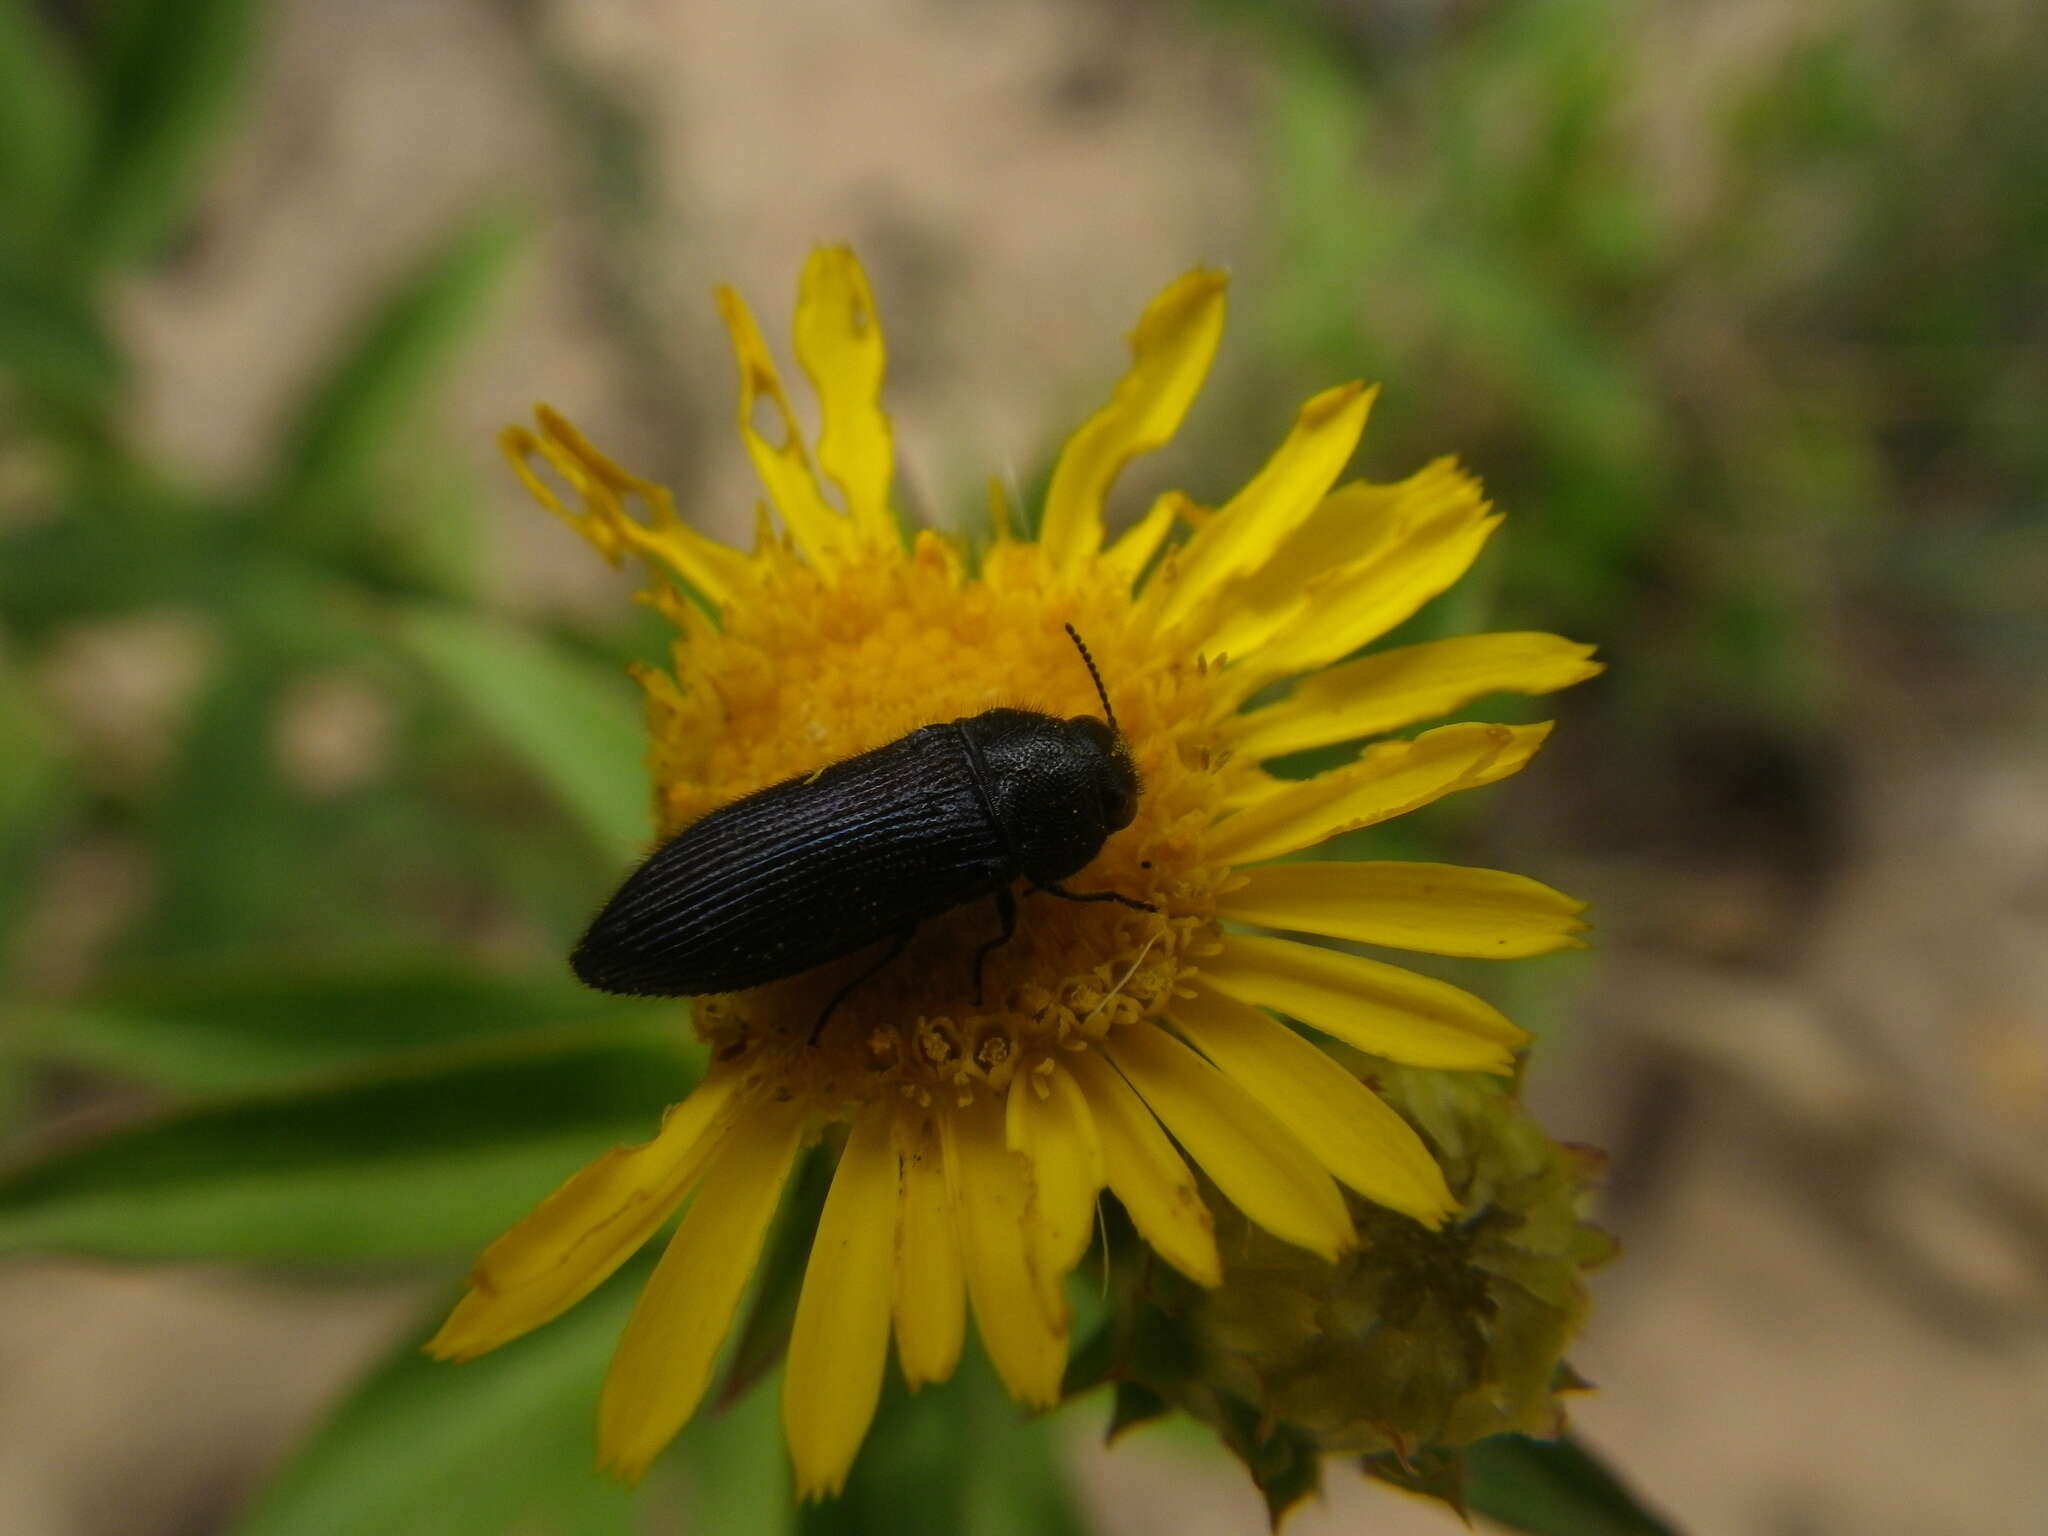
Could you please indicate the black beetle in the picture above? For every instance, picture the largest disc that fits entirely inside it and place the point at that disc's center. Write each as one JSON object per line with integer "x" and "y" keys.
{"x": 830, "y": 862}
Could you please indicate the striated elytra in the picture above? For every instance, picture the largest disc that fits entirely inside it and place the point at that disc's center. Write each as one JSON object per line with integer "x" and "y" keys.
{"x": 831, "y": 862}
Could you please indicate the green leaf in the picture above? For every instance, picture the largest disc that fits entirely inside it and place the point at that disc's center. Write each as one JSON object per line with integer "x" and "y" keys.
{"x": 179, "y": 68}
{"x": 496, "y": 1445}
{"x": 349, "y": 419}
{"x": 42, "y": 116}
{"x": 51, "y": 338}
{"x": 573, "y": 725}
{"x": 215, "y": 1026}
{"x": 958, "y": 1459}
{"x": 736, "y": 1470}
{"x": 1553, "y": 1488}
{"x": 428, "y": 1162}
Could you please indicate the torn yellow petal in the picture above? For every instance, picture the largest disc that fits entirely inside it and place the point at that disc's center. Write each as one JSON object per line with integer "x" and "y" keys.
{"x": 603, "y": 488}
{"x": 785, "y": 470}
{"x": 839, "y": 344}
{"x": 1439, "y": 909}
{"x": 840, "y": 1341}
{"x": 664, "y": 1359}
{"x": 1388, "y": 780}
{"x": 1249, "y": 1153}
{"x": 1025, "y": 1338}
{"x": 586, "y": 1229}
{"x": 1396, "y": 688}
{"x": 1343, "y": 1124}
{"x": 1170, "y": 354}
{"x": 1276, "y": 501}
{"x": 1379, "y": 1008}
{"x": 1047, "y": 1120}
{"x": 1525, "y": 741}
{"x": 1148, "y": 1175}
{"x": 931, "y": 1293}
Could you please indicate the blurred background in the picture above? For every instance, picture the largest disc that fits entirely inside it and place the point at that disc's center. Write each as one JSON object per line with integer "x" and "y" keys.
{"x": 318, "y": 747}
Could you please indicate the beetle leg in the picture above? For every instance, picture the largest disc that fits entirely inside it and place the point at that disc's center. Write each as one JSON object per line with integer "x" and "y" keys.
{"x": 1066, "y": 895}
{"x": 895, "y": 949}
{"x": 1006, "y": 914}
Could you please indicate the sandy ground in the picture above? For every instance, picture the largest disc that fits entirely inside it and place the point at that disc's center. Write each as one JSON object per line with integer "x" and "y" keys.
{"x": 1829, "y": 1318}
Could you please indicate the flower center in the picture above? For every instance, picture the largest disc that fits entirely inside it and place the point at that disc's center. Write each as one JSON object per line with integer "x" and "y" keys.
{"x": 812, "y": 669}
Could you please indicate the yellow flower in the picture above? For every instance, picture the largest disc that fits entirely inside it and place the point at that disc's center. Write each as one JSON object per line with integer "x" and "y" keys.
{"x": 976, "y": 1139}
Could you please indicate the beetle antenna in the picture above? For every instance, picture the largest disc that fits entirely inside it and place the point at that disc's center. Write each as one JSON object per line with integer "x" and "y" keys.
{"x": 1101, "y": 692}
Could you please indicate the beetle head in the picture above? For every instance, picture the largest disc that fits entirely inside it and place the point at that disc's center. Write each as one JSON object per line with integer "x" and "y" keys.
{"x": 1115, "y": 777}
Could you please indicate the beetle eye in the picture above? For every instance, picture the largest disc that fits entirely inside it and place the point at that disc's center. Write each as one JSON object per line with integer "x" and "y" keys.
{"x": 1120, "y": 793}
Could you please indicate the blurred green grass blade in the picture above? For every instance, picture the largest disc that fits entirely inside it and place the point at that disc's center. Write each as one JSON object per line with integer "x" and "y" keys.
{"x": 32, "y": 758}
{"x": 51, "y": 338}
{"x": 43, "y": 118}
{"x": 177, "y": 72}
{"x": 39, "y": 793}
{"x": 226, "y": 1026}
{"x": 371, "y": 390}
{"x": 573, "y": 724}
{"x": 228, "y": 836}
{"x": 91, "y": 559}
{"x": 501, "y": 1444}
{"x": 430, "y": 1162}
{"x": 1553, "y": 1488}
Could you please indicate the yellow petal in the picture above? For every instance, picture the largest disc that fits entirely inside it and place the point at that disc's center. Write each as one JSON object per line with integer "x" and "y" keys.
{"x": 840, "y": 1342}
{"x": 1273, "y": 504}
{"x": 1148, "y": 1176}
{"x": 1343, "y": 1124}
{"x": 1366, "y": 600}
{"x": 1525, "y": 742}
{"x": 603, "y": 488}
{"x": 586, "y": 1229}
{"x": 1133, "y": 551}
{"x": 1354, "y": 523}
{"x": 784, "y": 469}
{"x": 1388, "y": 780}
{"x": 1047, "y": 1121}
{"x": 665, "y": 1356}
{"x": 1170, "y": 355}
{"x": 1250, "y": 1155}
{"x": 839, "y": 344}
{"x": 1440, "y": 909}
{"x": 1387, "y": 691}
{"x": 1374, "y": 1006}
{"x": 931, "y": 1294}
{"x": 1026, "y": 1342}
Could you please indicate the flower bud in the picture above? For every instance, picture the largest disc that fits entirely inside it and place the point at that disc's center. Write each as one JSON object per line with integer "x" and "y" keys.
{"x": 1418, "y": 1338}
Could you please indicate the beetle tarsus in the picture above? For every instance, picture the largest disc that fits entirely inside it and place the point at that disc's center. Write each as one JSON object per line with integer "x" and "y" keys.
{"x": 1066, "y": 895}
